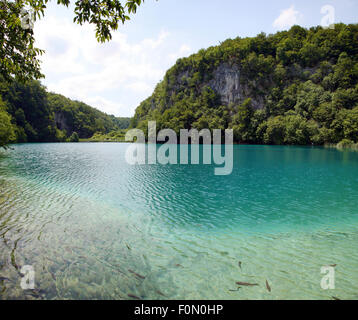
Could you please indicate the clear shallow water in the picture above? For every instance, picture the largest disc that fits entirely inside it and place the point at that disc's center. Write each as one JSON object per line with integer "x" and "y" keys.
{"x": 93, "y": 227}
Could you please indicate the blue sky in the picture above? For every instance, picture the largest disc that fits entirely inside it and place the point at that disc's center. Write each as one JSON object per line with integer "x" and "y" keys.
{"x": 115, "y": 77}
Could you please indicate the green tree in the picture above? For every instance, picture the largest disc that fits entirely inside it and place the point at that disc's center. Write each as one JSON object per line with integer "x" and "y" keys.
{"x": 74, "y": 137}
{"x": 346, "y": 124}
{"x": 28, "y": 105}
{"x": 303, "y": 85}
{"x": 19, "y": 57}
{"x": 241, "y": 123}
{"x": 7, "y": 133}
{"x": 275, "y": 131}
{"x": 39, "y": 116}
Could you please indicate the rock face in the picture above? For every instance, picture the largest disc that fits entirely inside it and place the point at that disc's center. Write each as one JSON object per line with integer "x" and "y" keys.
{"x": 61, "y": 122}
{"x": 226, "y": 82}
{"x": 230, "y": 85}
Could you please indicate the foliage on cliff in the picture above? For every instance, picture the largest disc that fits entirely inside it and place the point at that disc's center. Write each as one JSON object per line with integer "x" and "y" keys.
{"x": 31, "y": 114}
{"x": 7, "y": 133}
{"x": 299, "y": 87}
{"x": 81, "y": 118}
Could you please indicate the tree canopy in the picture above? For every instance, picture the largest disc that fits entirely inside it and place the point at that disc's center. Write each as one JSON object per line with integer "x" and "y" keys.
{"x": 29, "y": 113}
{"x": 7, "y": 133}
{"x": 297, "y": 87}
{"x": 19, "y": 57}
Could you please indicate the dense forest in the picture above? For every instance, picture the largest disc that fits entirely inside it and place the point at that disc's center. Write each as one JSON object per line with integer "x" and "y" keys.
{"x": 294, "y": 87}
{"x": 28, "y": 113}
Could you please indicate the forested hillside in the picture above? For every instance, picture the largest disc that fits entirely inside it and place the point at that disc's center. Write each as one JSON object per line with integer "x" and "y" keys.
{"x": 293, "y": 87}
{"x": 30, "y": 114}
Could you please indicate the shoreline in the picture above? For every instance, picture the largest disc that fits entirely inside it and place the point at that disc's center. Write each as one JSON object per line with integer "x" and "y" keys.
{"x": 338, "y": 147}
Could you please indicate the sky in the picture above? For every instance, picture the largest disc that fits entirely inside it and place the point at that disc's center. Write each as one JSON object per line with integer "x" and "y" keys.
{"x": 117, "y": 76}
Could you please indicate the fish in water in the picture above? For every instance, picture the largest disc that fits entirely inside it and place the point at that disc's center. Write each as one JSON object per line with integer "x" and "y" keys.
{"x": 231, "y": 290}
{"x": 137, "y": 274}
{"x": 179, "y": 266}
{"x": 51, "y": 260}
{"x": 68, "y": 249}
{"x": 128, "y": 247}
{"x": 160, "y": 293}
{"x": 52, "y": 275}
{"x": 335, "y": 298}
{"x": 333, "y": 265}
{"x": 19, "y": 272}
{"x": 4, "y": 279}
{"x": 246, "y": 284}
{"x": 268, "y": 286}
{"x": 240, "y": 265}
{"x": 134, "y": 297}
{"x": 36, "y": 293}
{"x": 32, "y": 294}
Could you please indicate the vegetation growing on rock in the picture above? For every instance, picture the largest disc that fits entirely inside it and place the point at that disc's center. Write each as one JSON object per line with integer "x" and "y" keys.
{"x": 31, "y": 114}
{"x": 294, "y": 87}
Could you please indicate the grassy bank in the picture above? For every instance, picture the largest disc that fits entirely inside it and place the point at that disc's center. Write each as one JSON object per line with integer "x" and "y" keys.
{"x": 114, "y": 136}
{"x": 344, "y": 145}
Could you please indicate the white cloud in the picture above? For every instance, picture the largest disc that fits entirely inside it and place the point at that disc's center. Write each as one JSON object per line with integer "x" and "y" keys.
{"x": 115, "y": 76}
{"x": 156, "y": 43}
{"x": 287, "y": 18}
{"x": 140, "y": 87}
{"x": 183, "y": 51}
{"x": 107, "y": 106}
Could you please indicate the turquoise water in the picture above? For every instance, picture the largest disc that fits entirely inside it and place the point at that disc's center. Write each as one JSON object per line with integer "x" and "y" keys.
{"x": 94, "y": 227}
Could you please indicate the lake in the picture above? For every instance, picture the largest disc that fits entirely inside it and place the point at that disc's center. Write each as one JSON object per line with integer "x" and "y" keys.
{"x": 94, "y": 227}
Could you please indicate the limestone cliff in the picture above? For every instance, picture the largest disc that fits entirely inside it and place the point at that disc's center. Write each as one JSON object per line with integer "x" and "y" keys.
{"x": 290, "y": 87}
{"x": 61, "y": 122}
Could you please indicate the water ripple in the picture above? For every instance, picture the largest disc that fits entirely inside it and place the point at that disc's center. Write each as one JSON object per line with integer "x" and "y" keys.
{"x": 94, "y": 227}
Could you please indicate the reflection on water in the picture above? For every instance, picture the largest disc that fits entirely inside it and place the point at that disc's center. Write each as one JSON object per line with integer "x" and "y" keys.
{"x": 94, "y": 227}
